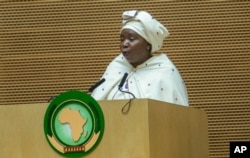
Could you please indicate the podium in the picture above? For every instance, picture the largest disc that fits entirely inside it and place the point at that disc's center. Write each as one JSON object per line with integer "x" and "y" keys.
{"x": 151, "y": 129}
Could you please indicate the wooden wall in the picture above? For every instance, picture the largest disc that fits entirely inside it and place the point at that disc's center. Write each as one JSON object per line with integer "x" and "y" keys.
{"x": 47, "y": 47}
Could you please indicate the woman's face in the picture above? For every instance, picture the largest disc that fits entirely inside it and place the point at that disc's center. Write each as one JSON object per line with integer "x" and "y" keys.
{"x": 134, "y": 48}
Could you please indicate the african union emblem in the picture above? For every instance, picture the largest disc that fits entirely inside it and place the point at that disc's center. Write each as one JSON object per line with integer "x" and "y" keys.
{"x": 74, "y": 124}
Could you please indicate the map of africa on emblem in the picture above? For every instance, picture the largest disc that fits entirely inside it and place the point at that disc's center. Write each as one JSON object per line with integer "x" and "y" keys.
{"x": 74, "y": 124}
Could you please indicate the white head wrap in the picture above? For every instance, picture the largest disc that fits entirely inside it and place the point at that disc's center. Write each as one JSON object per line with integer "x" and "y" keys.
{"x": 146, "y": 26}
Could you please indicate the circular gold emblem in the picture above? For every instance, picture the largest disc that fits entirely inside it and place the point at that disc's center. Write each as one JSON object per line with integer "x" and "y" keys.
{"x": 74, "y": 124}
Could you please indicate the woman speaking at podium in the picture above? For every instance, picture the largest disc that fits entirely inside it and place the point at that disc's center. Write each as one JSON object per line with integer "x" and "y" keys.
{"x": 138, "y": 71}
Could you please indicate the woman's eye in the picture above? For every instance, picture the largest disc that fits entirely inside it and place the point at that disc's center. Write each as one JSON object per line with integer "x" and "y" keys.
{"x": 131, "y": 38}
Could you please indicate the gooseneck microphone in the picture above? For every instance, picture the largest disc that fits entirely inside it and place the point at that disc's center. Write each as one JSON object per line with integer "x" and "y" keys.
{"x": 91, "y": 89}
{"x": 126, "y": 107}
{"x": 97, "y": 84}
{"x": 123, "y": 81}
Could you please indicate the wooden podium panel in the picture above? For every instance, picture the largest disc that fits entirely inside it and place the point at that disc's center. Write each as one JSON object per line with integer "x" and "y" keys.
{"x": 151, "y": 129}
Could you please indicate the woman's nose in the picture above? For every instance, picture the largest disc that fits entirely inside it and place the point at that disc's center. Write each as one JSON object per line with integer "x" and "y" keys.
{"x": 125, "y": 43}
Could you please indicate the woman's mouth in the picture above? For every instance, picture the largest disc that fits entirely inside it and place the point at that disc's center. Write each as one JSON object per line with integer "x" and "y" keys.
{"x": 125, "y": 53}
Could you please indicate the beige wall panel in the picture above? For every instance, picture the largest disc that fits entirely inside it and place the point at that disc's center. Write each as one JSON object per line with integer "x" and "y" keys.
{"x": 47, "y": 47}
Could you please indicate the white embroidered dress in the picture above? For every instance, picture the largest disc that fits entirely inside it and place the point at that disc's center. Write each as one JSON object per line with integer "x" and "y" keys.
{"x": 157, "y": 78}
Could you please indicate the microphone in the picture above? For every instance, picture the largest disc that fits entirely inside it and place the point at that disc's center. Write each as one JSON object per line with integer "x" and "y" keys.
{"x": 125, "y": 109}
{"x": 93, "y": 87}
{"x": 122, "y": 83}
{"x": 123, "y": 80}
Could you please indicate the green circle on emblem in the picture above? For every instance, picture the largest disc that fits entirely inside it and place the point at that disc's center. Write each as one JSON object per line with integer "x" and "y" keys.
{"x": 74, "y": 123}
